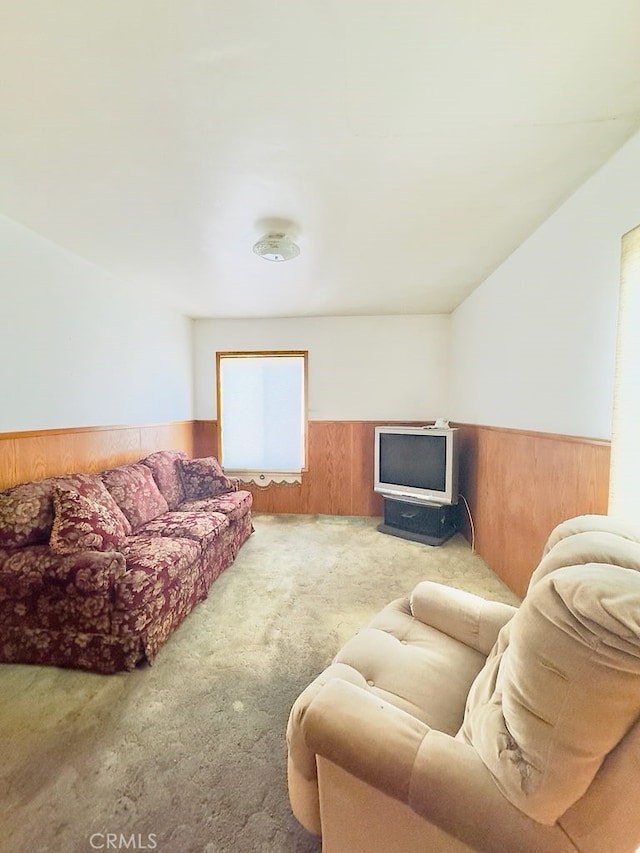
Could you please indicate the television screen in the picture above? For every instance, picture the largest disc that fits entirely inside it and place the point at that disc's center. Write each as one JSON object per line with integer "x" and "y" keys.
{"x": 414, "y": 460}
{"x": 417, "y": 463}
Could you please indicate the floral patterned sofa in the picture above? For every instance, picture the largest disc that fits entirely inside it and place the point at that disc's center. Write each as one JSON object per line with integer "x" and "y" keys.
{"x": 97, "y": 570}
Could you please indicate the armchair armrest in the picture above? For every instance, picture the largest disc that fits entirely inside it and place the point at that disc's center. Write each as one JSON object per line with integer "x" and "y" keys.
{"x": 370, "y": 738}
{"x": 469, "y": 618}
{"x": 440, "y": 778}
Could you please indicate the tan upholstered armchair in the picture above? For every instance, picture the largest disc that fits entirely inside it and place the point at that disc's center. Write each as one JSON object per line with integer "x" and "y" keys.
{"x": 452, "y": 723}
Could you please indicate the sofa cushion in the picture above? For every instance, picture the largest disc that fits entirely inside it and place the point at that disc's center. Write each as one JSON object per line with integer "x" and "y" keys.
{"x": 155, "y": 565}
{"x": 203, "y": 478}
{"x": 185, "y": 525}
{"x": 233, "y": 504}
{"x": 26, "y": 514}
{"x": 136, "y": 493}
{"x": 561, "y": 688}
{"x": 164, "y": 467}
{"x": 83, "y": 524}
{"x": 414, "y": 666}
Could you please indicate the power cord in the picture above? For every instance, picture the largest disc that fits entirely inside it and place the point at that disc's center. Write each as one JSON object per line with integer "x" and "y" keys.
{"x": 473, "y": 532}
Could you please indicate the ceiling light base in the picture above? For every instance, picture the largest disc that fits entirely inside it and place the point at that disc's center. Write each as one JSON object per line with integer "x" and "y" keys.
{"x": 276, "y": 247}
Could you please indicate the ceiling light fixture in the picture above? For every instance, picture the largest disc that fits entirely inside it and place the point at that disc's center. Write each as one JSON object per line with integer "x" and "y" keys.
{"x": 276, "y": 247}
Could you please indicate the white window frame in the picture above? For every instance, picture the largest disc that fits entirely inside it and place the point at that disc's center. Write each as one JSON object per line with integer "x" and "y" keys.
{"x": 624, "y": 482}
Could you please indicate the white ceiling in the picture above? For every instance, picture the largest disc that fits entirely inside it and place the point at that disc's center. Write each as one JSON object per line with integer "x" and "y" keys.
{"x": 414, "y": 144}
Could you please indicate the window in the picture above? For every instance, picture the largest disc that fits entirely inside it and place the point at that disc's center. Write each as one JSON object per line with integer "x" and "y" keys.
{"x": 262, "y": 415}
{"x": 624, "y": 488}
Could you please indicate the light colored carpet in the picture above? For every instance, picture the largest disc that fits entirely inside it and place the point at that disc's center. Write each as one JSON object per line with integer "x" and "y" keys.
{"x": 189, "y": 754}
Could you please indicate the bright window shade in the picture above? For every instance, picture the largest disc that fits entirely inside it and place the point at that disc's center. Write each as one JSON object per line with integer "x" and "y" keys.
{"x": 262, "y": 416}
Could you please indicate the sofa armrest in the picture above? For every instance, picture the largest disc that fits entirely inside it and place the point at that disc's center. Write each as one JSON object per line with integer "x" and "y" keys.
{"x": 469, "y": 618}
{"x": 85, "y": 572}
{"x": 440, "y": 778}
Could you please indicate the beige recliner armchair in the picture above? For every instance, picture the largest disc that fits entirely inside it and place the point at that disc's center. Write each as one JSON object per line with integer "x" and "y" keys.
{"x": 451, "y": 723}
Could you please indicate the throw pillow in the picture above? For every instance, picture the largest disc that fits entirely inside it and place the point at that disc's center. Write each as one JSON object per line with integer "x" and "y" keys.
{"x": 26, "y": 514}
{"x": 82, "y": 524}
{"x": 91, "y": 486}
{"x": 203, "y": 478}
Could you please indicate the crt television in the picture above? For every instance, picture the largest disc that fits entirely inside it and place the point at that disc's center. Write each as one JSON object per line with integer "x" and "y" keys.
{"x": 416, "y": 463}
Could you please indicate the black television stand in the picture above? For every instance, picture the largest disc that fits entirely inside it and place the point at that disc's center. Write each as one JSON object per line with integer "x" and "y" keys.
{"x": 429, "y": 523}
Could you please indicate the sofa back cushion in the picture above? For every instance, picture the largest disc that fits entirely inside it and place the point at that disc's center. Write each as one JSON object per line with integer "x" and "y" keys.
{"x": 203, "y": 478}
{"x": 136, "y": 493}
{"x": 164, "y": 467}
{"x": 26, "y": 514}
{"x": 85, "y": 524}
{"x": 561, "y": 688}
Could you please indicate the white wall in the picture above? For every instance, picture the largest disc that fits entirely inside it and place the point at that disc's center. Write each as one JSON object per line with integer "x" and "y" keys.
{"x": 534, "y": 346}
{"x": 360, "y": 368}
{"x": 78, "y": 349}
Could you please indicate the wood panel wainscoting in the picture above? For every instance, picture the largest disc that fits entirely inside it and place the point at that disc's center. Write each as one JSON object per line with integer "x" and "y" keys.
{"x": 38, "y": 454}
{"x": 339, "y": 475}
{"x": 518, "y": 484}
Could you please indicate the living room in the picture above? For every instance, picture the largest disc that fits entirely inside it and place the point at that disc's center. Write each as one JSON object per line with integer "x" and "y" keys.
{"x": 109, "y": 340}
{"x": 530, "y": 351}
